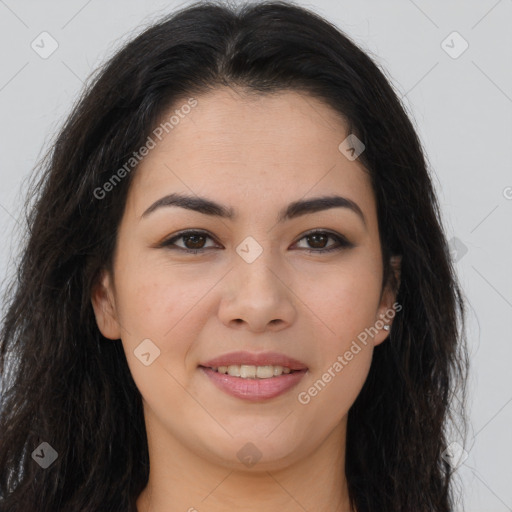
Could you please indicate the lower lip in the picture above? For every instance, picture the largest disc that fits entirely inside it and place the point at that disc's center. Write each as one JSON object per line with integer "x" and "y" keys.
{"x": 256, "y": 389}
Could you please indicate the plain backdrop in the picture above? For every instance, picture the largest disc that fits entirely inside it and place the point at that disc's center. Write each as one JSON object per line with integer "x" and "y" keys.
{"x": 457, "y": 88}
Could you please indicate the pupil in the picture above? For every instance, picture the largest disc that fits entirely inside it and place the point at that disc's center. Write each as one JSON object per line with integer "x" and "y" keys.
{"x": 315, "y": 237}
{"x": 189, "y": 237}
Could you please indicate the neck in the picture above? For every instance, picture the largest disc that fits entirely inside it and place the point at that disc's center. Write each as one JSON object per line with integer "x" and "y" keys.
{"x": 182, "y": 480}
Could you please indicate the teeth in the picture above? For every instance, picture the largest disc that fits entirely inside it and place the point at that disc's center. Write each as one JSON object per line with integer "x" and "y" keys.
{"x": 252, "y": 372}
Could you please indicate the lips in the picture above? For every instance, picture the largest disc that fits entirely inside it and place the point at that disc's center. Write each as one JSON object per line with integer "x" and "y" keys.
{"x": 255, "y": 359}
{"x": 254, "y": 390}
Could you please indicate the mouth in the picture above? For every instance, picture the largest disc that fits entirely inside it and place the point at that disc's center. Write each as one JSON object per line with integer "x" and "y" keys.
{"x": 254, "y": 376}
{"x": 255, "y": 383}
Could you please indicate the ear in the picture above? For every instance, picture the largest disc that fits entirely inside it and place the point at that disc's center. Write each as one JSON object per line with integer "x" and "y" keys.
{"x": 386, "y": 310}
{"x": 102, "y": 298}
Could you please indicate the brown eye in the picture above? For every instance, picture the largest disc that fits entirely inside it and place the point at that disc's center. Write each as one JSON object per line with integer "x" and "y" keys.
{"x": 197, "y": 241}
{"x": 193, "y": 241}
{"x": 318, "y": 240}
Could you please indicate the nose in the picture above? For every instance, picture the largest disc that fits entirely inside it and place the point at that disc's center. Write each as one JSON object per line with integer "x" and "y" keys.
{"x": 257, "y": 298}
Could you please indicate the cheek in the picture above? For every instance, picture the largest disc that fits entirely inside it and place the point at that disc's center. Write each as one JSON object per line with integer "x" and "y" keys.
{"x": 164, "y": 303}
{"x": 345, "y": 300}
{"x": 330, "y": 393}
{"x": 155, "y": 298}
{"x": 344, "y": 349}
{"x": 164, "y": 307}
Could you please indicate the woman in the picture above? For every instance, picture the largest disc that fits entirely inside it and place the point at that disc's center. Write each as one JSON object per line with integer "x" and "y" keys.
{"x": 236, "y": 290}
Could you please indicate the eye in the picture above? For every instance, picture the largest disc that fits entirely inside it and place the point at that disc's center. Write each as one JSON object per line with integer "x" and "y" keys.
{"x": 193, "y": 241}
{"x": 319, "y": 238}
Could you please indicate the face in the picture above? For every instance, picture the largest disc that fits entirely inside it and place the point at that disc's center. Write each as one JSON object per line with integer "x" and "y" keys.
{"x": 256, "y": 281}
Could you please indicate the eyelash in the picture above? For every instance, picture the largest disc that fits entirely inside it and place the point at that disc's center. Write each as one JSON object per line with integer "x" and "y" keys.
{"x": 342, "y": 242}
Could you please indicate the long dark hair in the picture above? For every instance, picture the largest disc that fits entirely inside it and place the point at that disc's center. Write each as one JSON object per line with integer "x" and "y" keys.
{"x": 67, "y": 385}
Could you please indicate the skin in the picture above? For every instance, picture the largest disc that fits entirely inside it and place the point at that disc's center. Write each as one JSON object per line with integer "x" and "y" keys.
{"x": 255, "y": 154}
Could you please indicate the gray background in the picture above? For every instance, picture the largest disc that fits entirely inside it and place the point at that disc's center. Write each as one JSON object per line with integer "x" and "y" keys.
{"x": 462, "y": 110}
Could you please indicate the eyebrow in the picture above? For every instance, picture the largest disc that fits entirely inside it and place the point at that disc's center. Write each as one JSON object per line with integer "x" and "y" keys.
{"x": 292, "y": 211}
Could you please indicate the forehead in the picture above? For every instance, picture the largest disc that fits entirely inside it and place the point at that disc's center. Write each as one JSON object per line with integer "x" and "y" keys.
{"x": 256, "y": 150}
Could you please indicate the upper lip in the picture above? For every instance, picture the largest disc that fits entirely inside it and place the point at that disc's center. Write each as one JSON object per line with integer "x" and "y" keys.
{"x": 255, "y": 359}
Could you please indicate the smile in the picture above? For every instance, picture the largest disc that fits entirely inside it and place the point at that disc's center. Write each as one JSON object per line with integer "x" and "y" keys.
{"x": 255, "y": 383}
